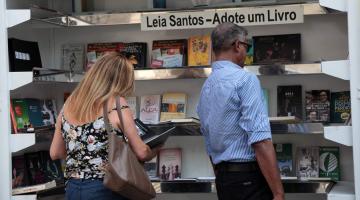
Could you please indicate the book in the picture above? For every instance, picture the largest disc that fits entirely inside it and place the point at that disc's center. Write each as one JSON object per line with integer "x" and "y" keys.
{"x": 150, "y": 109}
{"x": 21, "y": 113}
{"x": 151, "y": 168}
{"x": 173, "y": 106}
{"x": 284, "y": 159}
{"x": 307, "y": 162}
{"x": 289, "y": 101}
{"x": 266, "y": 98}
{"x": 35, "y": 112}
{"x": 170, "y": 164}
{"x": 73, "y": 56}
{"x": 136, "y": 52}
{"x": 150, "y": 137}
{"x": 96, "y": 50}
{"x": 34, "y": 168}
{"x": 49, "y": 112}
{"x": 131, "y": 101}
{"x": 19, "y": 175}
{"x": 199, "y": 50}
{"x": 340, "y": 107}
{"x": 51, "y": 168}
{"x": 34, "y": 188}
{"x": 249, "y": 59}
{"x": 168, "y": 53}
{"x": 329, "y": 163}
{"x": 13, "y": 120}
{"x": 317, "y": 106}
{"x": 277, "y": 49}
{"x": 23, "y": 55}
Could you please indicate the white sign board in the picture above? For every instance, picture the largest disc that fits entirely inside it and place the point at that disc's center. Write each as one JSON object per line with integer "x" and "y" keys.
{"x": 210, "y": 18}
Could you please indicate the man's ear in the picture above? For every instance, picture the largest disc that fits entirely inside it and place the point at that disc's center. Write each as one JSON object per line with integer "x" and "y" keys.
{"x": 237, "y": 46}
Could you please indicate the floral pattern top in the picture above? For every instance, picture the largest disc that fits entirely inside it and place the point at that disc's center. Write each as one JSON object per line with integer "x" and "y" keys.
{"x": 86, "y": 147}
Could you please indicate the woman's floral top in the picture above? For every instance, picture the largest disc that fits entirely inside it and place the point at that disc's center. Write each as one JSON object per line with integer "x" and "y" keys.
{"x": 86, "y": 147}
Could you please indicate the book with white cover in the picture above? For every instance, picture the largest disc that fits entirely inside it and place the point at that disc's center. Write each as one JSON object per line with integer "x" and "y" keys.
{"x": 150, "y": 109}
{"x": 131, "y": 101}
{"x": 73, "y": 57}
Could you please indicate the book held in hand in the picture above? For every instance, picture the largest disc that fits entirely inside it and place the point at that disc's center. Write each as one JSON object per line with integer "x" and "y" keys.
{"x": 151, "y": 137}
{"x": 170, "y": 164}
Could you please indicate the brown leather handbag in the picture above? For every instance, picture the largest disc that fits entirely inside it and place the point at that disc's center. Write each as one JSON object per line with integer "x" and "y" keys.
{"x": 124, "y": 173}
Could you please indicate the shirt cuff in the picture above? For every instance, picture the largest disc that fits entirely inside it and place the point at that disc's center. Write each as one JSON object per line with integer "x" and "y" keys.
{"x": 259, "y": 136}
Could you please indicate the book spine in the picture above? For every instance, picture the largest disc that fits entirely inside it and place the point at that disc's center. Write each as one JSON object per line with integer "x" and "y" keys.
{"x": 13, "y": 120}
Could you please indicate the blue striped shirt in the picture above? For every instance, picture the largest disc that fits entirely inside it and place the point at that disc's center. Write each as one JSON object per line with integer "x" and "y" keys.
{"x": 232, "y": 113}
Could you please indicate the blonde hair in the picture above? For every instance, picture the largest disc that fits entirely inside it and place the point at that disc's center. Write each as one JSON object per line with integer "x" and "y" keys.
{"x": 111, "y": 75}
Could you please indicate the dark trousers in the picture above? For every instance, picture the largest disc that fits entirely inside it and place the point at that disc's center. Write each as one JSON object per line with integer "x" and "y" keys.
{"x": 242, "y": 185}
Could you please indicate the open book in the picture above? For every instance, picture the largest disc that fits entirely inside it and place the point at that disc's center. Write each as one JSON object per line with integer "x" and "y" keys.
{"x": 150, "y": 137}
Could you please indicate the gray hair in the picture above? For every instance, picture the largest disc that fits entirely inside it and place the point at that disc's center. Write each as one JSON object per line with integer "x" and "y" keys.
{"x": 224, "y": 35}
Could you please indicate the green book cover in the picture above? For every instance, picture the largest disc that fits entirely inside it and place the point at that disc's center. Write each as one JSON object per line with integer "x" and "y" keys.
{"x": 21, "y": 113}
{"x": 284, "y": 159}
{"x": 266, "y": 98}
{"x": 340, "y": 106}
{"x": 329, "y": 163}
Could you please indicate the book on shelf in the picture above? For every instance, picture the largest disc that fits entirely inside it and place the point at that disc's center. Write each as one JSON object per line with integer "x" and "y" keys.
{"x": 34, "y": 188}
{"x": 285, "y": 159}
{"x": 49, "y": 111}
{"x": 330, "y": 163}
{"x": 136, "y": 52}
{"x": 199, "y": 50}
{"x": 19, "y": 172}
{"x": 73, "y": 56}
{"x": 170, "y": 164}
{"x": 34, "y": 168}
{"x": 132, "y": 103}
{"x": 21, "y": 113}
{"x": 185, "y": 120}
{"x": 168, "y": 53}
{"x": 289, "y": 101}
{"x": 317, "y": 105}
{"x": 35, "y": 112}
{"x": 151, "y": 168}
{"x": 96, "y": 50}
{"x": 23, "y": 55}
{"x": 150, "y": 109}
{"x": 52, "y": 168}
{"x": 14, "y": 126}
{"x": 277, "y": 49}
{"x": 307, "y": 162}
{"x": 249, "y": 59}
{"x": 173, "y": 106}
{"x": 340, "y": 107}
{"x": 265, "y": 93}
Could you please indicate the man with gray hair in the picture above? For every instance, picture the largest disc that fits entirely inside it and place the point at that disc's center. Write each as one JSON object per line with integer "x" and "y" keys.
{"x": 235, "y": 123}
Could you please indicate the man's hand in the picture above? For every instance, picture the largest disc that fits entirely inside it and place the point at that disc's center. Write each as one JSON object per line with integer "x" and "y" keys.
{"x": 266, "y": 158}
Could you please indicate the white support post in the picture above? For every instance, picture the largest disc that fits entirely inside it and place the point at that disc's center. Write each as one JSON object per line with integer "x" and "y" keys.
{"x": 5, "y": 154}
{"x": 354, "y": 55}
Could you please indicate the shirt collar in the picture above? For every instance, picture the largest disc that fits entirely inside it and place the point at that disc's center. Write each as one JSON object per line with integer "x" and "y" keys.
{"x": 224, "y": 63}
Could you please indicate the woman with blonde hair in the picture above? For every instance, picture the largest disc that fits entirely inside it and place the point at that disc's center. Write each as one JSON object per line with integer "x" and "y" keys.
{"x": 80, "y": 135}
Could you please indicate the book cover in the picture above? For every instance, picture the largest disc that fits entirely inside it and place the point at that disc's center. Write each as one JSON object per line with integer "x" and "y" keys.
{"x": 96, "y": 50}
{"x": 21, "y": 113}
{"x": 277, "y": 49}
{"x": 199, "y": 50}
{"x": 289, "y": 101}
{"x": 249, "y": 59}
{"x": 131, "y": 101}
{"x": 51, "y": 168}
{"x": 136, "y": 52}
{"x": 307, "y": 162}
{"x": 170, "y": 164}
{"x": 285, "y": 159}
{"x": 150, "y": 109}
{"x": 34, "y": 168}
{"x": 340, "y": 107}
{"x": 49, "y": 112}
{"x": 13, "y": 120}
{"x": 151, "y": 168}
{"x": 330, "y": 163}
{"x": 19, "y": 175}
{"x": 73, "y": 57}
{"x": 173, "y": 106}
{"x": 266, "y": 98}
{"x": 35, "y": 112}
{"x": 317, "y": 106}
{"x": 169, "y": 53}
{"x": 23, "y": 55}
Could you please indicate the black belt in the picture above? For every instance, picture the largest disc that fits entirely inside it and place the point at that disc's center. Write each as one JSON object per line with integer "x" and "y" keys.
{"x": 237, "y": 167}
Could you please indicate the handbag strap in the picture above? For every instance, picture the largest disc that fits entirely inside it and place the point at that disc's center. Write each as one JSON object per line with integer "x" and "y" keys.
{"x": 106, "y": 118}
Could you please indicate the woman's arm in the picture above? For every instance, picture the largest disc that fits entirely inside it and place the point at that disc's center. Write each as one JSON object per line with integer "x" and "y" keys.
{"x": 57, "y": 148}
{"x": 142, "y": 151}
